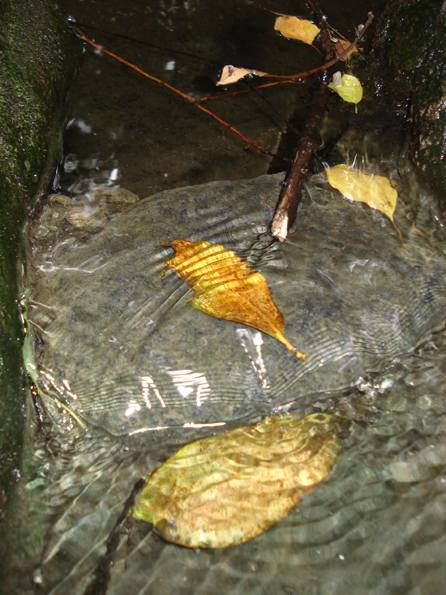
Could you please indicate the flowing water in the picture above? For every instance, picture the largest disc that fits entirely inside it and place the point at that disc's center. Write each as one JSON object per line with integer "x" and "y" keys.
{"x": 142, "y": 373}
{"x": 121, "y": 349}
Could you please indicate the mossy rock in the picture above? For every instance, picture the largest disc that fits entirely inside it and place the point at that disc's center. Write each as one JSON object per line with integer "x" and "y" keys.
{"x": 408, "y": 70}
{"x": 38, "y": 57}
{"x": 428, "y": 145}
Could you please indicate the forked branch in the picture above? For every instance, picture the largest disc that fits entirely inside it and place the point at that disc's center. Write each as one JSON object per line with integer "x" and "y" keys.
{"x": 177, "y": 91}
{"x": 286, "y": 210}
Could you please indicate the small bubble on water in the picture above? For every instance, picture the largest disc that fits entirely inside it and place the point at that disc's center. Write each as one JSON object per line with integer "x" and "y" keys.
{"x": 38, "y": 577}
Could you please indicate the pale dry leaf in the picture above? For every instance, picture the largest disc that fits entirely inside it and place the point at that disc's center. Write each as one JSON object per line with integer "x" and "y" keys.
{"x": 341, "y": 45}
{"x": 232, "y": 74}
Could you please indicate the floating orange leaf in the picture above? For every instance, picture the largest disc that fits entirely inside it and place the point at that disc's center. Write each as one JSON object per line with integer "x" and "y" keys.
{"x": 295, "y": 28}
{"x": 226, "y": 288}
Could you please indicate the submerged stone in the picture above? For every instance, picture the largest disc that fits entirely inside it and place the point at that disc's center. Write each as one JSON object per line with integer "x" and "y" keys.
{"x": 125, "y": 352}
{"x": 146, "y": 373}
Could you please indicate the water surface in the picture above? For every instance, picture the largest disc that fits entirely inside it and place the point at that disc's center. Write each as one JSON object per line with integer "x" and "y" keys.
{"x": 378, "y": 523}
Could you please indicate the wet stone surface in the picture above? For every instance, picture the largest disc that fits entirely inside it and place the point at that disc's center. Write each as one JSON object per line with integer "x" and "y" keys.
{"x": 146, "y": 373}
{"x": 137, "y": 356}
{"x": 76, "y": 218}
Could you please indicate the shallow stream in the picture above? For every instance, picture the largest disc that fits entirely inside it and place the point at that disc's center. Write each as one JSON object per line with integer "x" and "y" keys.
{"x": 144, "y": 373}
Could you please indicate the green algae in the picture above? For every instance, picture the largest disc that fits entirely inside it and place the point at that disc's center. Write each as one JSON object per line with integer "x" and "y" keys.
{"x": 428, "y": 144}
{"x": 38, "y": 57}
{"x": 407, "y": 32}
{"x": 405, "y": 76}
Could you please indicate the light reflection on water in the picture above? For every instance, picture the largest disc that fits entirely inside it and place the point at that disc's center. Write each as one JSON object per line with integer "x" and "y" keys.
{"x": 189, "y": 383}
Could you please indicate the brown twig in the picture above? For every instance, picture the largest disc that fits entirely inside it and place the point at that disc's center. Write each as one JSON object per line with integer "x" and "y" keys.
{"x": 273, "y": 108}
{"x": 178, "y": 92}
{"x": 162, "y": 48}
{"x": 242, "y": 91}
{"x": 286, "y": 210}
{"x": 330, "y": 62}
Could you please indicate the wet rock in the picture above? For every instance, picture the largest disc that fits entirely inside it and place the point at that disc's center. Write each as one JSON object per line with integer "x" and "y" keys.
{"x": 146, "y": 372}
{"x": 408, "y": 67}
{"x": 75, "y": 219}
{"x": 115, "y": 195}
{"x": 352, "y": 297}
{"x": 38, "y": 57}
{"x": 428, "y": 145}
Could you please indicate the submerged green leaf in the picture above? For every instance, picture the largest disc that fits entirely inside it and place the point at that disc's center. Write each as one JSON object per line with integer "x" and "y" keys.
{"x": 225, "y": 490}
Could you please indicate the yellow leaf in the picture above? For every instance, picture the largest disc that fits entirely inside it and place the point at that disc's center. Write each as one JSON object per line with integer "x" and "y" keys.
{"x": 296, "y": 28}
{"x": 347, "y": 87}
{"x": 375, "y": 191}
{"x": 225, "y": 490}
{"x": 226, "y": 288}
